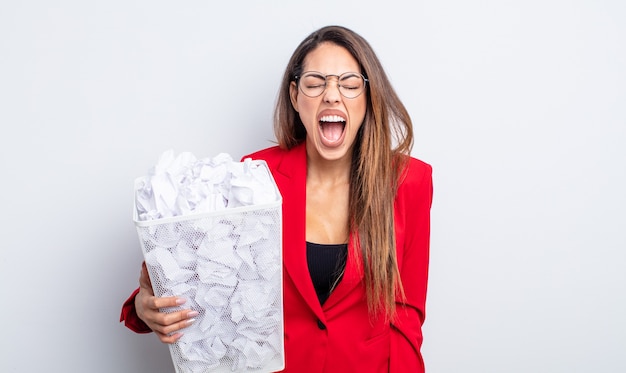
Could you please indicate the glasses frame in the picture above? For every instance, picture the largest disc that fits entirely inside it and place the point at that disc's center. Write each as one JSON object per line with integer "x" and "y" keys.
{"x": 339, "y": 86}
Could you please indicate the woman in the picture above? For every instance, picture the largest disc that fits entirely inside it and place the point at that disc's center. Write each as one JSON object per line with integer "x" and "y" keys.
{"x": 356, "y": 217}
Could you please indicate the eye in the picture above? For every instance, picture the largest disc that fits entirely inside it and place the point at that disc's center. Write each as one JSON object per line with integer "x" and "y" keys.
{"x": 312, "y": 80}
{"x": 314, "y": 84}
{"x": 352, "y": 82}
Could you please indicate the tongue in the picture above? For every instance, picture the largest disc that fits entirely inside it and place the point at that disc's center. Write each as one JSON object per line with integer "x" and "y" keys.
{"x": 332, "y": 130}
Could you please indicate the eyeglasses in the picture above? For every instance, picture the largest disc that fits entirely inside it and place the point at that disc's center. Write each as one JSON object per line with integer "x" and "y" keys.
{"x": 313, "y": 83}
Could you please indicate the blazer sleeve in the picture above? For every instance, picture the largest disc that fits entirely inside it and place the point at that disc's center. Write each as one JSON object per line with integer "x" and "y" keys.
{"x": 130, "y": 318}
{"x": 413, "y": 205}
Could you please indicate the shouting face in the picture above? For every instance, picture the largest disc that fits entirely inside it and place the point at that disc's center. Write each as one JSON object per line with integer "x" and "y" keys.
{"x": 331, "y": 119}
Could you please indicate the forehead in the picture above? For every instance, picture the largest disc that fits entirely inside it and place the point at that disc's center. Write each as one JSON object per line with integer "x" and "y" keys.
{"x": 329, "y": 58}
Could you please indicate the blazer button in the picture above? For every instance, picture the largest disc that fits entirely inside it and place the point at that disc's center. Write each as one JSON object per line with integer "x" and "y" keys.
{"x": 321, "y": 325}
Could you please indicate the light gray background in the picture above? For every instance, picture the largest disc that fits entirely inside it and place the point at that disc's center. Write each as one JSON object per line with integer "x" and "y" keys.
{"x": 520, "y": 106}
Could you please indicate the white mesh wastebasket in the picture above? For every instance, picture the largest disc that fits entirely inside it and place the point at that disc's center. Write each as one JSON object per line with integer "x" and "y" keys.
{"x": 228, "y": 266}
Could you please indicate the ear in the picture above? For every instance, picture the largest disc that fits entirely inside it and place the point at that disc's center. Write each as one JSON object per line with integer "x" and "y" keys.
{"x": 293, "y": 95}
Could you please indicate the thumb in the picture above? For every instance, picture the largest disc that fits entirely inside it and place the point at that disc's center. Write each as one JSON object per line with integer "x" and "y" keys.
{"x": 144, "y": 278}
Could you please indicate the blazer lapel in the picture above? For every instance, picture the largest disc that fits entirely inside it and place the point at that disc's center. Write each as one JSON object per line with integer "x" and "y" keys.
{"x": 291, "y": 180}
{"x": 352, "y": 277}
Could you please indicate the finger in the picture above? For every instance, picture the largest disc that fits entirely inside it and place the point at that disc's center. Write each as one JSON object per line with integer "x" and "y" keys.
{"x": 174, "y": 323}
{"x": 150, "y": 311}
{"x": 169, "y": 339}
{"x": 171, "y": 322}
{"x": 144, "y": 277}
{"x": 178, "y": 320}
{"x": 164, "y": 302}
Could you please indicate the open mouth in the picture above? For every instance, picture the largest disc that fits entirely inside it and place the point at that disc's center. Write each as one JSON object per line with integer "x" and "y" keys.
{"x": 332, "y": 127}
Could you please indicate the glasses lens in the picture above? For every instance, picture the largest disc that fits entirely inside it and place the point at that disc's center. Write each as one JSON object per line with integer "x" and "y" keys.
{"x": 351, "y": 85}
{"x": 312, "y": 84}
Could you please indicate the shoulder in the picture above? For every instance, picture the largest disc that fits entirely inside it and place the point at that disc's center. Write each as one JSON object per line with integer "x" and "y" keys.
{"x": 279, "y": 158}
{"x": 264, "y": 154}
{"x": 416, "y": 172}
{"x": 415, "y": 185}
{"x": 272, "y": 155}
{"x": 414, "y": 198}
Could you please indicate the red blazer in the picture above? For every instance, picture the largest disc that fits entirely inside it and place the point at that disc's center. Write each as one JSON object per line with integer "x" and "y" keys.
{"x": 339, "y": 336}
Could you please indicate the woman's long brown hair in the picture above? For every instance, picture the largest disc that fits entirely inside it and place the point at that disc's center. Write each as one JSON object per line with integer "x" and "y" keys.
{"x": 382, "y": 147}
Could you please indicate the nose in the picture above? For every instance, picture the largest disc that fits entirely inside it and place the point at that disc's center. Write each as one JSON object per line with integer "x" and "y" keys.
{"x": 332, "y": 94}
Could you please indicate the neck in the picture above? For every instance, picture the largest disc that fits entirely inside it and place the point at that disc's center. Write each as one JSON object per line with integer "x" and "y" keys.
{"x": 328, "y": 171}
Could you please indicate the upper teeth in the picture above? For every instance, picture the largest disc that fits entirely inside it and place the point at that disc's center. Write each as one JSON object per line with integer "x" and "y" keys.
{"x": 332, "y": 118}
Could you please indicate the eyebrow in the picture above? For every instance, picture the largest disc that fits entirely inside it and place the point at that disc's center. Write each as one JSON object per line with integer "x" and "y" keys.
{"x": 348, "y": 75}
{"x": 314, "y": 73}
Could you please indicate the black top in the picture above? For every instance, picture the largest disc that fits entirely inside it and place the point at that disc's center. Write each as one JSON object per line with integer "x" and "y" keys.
{"x": 326, "y": 265}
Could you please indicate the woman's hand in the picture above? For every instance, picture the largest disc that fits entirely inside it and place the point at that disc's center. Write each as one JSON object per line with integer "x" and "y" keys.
{"x": 165, "y": 325}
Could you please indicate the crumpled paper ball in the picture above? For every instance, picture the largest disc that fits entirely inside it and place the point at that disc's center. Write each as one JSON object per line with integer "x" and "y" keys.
{"x": 182, "y": 185}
